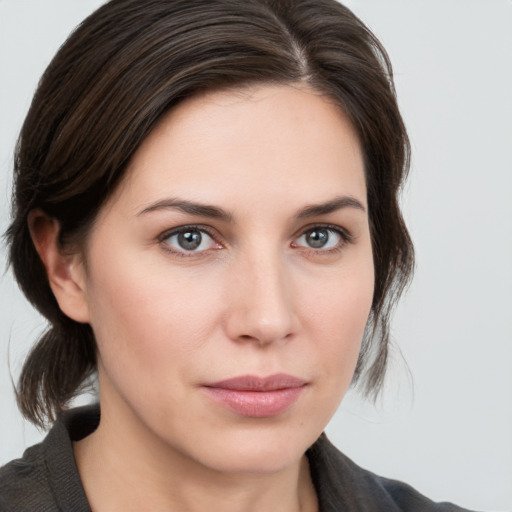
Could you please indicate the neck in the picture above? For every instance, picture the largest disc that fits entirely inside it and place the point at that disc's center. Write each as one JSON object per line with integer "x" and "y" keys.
{"x": 122, "y": 470}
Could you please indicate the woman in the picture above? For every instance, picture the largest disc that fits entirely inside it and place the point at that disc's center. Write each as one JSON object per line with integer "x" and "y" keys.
{"x": 206, "y": 212}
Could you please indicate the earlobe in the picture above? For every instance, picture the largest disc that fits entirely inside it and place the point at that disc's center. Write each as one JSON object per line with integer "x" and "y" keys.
{"x": 65, "y": 271}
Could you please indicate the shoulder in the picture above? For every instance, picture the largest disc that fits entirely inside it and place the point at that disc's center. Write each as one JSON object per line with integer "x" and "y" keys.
{"x": 343, "y": 485}
{"x": 46, "y": 477}
{"x": 24, "y": 483}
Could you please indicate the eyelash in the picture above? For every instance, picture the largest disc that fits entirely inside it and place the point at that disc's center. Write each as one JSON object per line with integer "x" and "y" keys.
{"x": 185, "y": 229}
{"x": 346, "y": 238}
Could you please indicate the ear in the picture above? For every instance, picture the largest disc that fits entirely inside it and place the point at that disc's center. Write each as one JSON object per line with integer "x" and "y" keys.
{"x": 65, "y": 271}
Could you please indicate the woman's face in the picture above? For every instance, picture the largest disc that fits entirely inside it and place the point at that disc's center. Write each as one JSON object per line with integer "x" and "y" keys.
{"x": 229, "y": 280}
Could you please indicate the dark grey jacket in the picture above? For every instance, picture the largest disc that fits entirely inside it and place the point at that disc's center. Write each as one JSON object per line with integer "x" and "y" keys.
{"x": 46, "y": 478}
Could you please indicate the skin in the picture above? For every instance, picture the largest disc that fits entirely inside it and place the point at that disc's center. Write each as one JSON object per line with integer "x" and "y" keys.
{"x": 254, "y": 299}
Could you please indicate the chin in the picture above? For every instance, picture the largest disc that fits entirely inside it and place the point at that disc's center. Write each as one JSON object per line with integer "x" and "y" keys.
{"x": 256, "y": 450}
{"x": 259, "y": 462}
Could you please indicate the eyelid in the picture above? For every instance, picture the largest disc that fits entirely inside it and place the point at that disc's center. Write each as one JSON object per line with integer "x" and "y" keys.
{"x": 213, "y": 234}
{"x": 346, "y": 237}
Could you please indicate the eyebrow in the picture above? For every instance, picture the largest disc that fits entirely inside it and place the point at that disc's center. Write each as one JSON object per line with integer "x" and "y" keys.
{"x": 214, "y": 212}
{"x": 190, "y": 207}
{"x": 330, "y": 206}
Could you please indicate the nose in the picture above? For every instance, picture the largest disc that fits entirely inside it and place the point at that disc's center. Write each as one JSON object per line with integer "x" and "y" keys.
{"x": 261, "y": 301}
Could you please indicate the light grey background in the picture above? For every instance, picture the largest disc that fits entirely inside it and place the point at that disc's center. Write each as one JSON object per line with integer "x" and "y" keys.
{"x": 448, "y": 430}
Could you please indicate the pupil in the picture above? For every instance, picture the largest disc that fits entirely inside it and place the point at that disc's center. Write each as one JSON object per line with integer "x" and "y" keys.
{"x": 190, "y": 240}
{"x": 317, "y": 238}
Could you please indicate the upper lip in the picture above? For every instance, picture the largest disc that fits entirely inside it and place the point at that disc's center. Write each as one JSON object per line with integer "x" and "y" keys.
{"x": 255, "y": 383}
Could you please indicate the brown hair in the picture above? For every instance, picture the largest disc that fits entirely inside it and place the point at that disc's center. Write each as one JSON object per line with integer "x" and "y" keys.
{"x": 115, "y": 77}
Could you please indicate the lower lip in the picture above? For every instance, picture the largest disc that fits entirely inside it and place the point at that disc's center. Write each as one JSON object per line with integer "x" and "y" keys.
{"x": 256, "y": 404}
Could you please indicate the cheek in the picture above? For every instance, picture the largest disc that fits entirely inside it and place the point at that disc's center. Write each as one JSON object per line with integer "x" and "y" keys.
{"x": 334, "y": 318}
{"x": 144, "y": 316}
{"x": 149, "y": 315}
{"x": 337, "y": 316}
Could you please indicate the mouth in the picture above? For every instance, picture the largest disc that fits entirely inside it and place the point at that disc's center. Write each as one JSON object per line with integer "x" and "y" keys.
{"x": 257, "y": 397}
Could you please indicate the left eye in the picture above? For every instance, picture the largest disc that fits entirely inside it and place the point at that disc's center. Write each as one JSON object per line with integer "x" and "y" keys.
{"x": 319, "y": 238}
{"x": 190, "y": 240}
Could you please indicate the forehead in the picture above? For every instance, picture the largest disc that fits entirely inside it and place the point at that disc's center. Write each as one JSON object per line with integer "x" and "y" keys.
{"x": 261, "y": 143}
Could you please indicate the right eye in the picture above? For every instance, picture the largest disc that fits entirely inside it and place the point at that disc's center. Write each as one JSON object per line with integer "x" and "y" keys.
{"x": 189, "y": 240}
